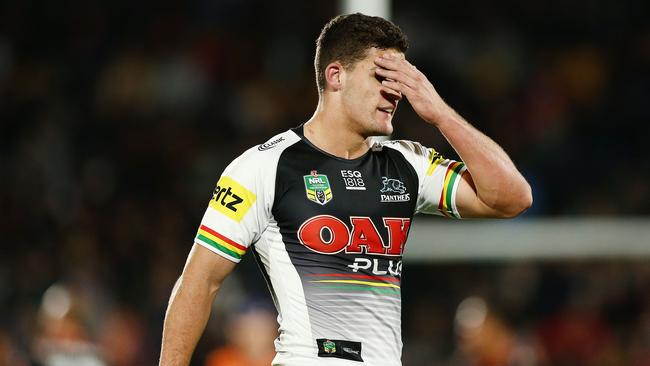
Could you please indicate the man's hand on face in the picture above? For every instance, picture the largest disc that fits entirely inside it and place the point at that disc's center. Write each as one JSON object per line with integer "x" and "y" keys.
{"x": 401, "y": 76}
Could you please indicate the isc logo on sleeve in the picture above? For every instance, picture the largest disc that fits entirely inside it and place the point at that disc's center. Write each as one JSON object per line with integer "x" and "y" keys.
{"x": 231, "y": 198}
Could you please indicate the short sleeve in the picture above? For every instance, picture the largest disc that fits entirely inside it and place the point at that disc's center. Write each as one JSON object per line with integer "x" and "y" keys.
{"x": 239, "y": 210}
{"x": 438, "y": 178}
{"x": 439, "y": 185}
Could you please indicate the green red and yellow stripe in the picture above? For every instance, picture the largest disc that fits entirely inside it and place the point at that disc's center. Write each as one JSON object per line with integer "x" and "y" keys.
{"x": 451, "y": 177}
{"x": 220, "y": 242}
{"x": 357, "y": 282}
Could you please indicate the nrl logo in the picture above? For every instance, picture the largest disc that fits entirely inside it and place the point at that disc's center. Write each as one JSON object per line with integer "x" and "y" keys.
{"x": 317, "y": 187}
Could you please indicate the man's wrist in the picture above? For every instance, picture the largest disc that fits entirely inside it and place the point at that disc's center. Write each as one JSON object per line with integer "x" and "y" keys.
{"x": 442, "y": 116}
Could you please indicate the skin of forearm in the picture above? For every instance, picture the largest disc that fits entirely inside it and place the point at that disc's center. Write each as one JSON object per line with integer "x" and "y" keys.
{"x": 497, "y": 181}
{"x": 187, "y": 314}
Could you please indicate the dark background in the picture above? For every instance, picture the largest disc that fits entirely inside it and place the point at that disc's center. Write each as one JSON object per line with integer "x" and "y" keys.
{"x": 116, "y": 119}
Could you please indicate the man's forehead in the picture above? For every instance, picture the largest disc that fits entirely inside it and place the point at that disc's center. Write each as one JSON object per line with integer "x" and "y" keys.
{"x": 368, "y": 62}
{"x": 375, "y": 52}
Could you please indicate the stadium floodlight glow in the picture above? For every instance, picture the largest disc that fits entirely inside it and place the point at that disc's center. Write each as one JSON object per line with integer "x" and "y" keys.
{"x": 379, "y": 8}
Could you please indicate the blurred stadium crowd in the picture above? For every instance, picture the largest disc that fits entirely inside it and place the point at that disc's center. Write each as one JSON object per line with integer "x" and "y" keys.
{"x": 116, "y": 119}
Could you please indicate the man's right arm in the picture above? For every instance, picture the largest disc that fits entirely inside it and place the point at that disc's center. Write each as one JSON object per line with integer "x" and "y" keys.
{"x": 190, "y": 303}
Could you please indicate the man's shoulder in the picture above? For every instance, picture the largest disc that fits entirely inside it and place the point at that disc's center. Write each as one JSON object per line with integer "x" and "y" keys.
{"x": 268, "y": 151}
{"x": 278, "y": 142}
{"x": 259, "y": 163}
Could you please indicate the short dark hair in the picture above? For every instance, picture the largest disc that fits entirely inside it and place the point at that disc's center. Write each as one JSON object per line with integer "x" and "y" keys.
{"x": 347, "y": 38}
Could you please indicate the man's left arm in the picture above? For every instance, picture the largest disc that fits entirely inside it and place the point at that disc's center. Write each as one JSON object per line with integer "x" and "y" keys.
{"x": 491, "y": 186}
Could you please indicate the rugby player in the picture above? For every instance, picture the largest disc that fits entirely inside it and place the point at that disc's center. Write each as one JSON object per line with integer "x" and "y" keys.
{"x": 326, "y": 214}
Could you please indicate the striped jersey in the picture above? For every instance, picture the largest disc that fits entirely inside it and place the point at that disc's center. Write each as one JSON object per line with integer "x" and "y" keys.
{"x": 328, "y": 234}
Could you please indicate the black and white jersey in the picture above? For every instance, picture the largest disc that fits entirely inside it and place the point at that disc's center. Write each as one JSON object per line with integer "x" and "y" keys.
{"x": 328, "y": 234}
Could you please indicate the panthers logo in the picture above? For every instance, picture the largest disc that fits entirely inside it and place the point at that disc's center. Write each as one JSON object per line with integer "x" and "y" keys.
{"x": 392, "y": 185}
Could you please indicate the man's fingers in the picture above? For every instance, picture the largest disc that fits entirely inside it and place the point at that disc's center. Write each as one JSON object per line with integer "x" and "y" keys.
{"x": 397, "y": 64}
{"x": 394, "y": 85}
{"x": 402, "y": 89}
{"x": 390, "y": 64}
{"x": 394, "y": 75}
{"x": 388, "y": 74}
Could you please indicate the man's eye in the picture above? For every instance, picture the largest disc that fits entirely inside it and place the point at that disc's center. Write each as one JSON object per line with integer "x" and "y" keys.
{"x": 379, "y": 78}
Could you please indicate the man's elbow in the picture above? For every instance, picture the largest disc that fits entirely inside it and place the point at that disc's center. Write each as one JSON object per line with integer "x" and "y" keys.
{"x": 519, "y": 200}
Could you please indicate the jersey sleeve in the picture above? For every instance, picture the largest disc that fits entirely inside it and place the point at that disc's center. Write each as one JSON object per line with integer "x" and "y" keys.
{"x": 438, "y": 178}
{"x": 239, "y": 210}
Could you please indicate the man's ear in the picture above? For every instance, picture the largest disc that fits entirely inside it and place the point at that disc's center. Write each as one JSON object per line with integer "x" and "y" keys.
{"x": 334, "y": 74}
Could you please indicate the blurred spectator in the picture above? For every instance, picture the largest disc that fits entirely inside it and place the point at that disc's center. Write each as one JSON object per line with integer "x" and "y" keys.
{"x": 63, "y": 339}
{"x": 639, "y": 349}
{"x": 577, "y": 335}
{"x": 122, "y": 339}
{"x": 485, "y": 340}
{"x": 250, "y": 336}
{"x": 9, "y": 356}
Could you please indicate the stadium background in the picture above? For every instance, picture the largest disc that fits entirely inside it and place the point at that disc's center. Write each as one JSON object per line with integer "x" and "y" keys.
{"x": 116, "y": 119}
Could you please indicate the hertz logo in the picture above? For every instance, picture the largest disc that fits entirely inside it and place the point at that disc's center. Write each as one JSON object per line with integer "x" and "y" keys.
{"x": 231, "y": 198}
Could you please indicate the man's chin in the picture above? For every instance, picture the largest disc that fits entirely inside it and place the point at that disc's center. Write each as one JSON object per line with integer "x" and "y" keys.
{"x": 384, "y": 128}
{"x": 378, "y": 128}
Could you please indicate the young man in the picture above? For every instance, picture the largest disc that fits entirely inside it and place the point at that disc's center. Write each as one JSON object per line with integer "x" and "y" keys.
{"x": 327, "y": 216}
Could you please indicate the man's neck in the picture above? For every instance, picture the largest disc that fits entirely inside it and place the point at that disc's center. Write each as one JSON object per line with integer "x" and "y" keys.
{"x": 333, "y": 134}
